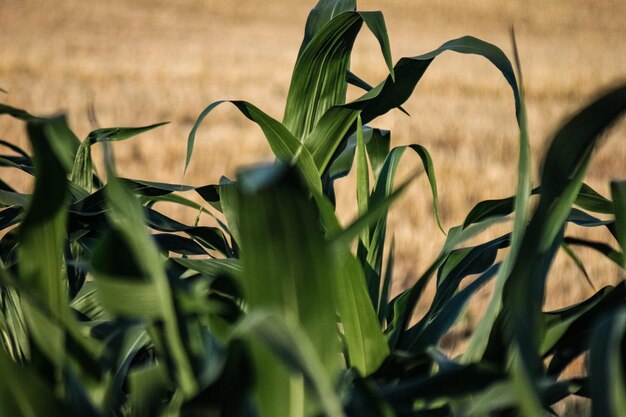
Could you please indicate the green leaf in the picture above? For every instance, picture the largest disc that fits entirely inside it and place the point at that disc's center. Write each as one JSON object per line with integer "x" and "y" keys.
{"x": 521, "y": 206}
{"x": 578, "y": 262}
{"x": 403, "y": 305}
{"x": 319, "y": 77}
{"x": 23, "y": 393}
{"x": 10, "y": 198}
{"x": 82, "y": 170}
{"x": 144, "y": 262}
{"x": 62, "y": 140}
{"x": 284, "y": 144}
{"x": 612, "y": 254}
{"x": 17, "y": 113}
{"x": 591, "y": 200}
{"x": 291, "y": 346}
{"x": 606, "y": 366}
{"x": 386, "y": 287}
{"x": 564, "y": 168}
{"x": 42, "y": 237}
{"x": 13, "y": 328}
{"x": 118, "y": 133}
{"x": 372, "y": 255}
{"x": 362, "y": 176}
{"x": 213, "y": 267}
{"x": 568, "y": 329}
{"x": 288, "y": 268}
{"x": 618, "y": 192}
{"x": 366, "y": 344}
{"x": 321, "y": 14}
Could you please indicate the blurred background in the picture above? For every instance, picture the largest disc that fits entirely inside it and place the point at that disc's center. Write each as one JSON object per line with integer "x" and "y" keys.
{"x": 145, "y": 61}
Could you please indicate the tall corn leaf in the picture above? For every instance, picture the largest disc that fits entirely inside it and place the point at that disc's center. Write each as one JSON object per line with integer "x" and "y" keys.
{"x": 42, "y": 239}
{"x": 127, "y": 218}
{"x": 287, "y": 268}
{"x": 521, "y": 207}
{"x": 362, "y": 175}
{"x": 336, "y": 123}
{"x": 319, "y": 77}
{"x": 295, "y": 350}
{"x": 564, "y": 168}
{"x": 321, "y": 14}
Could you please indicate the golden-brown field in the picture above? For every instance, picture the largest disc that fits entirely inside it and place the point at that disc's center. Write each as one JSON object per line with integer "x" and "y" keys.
{"x": 144, "y": 61}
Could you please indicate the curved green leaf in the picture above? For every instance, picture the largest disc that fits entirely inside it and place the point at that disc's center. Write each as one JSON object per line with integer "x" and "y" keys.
{"x": 564, "y": 168}
{"x": 284, "y": 144}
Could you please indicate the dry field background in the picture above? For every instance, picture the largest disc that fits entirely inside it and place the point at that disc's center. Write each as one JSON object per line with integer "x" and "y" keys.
{"x": 144, "y": 61}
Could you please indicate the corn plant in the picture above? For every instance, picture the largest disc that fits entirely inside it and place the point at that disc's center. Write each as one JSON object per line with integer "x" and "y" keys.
{"x": 110, "y": 308}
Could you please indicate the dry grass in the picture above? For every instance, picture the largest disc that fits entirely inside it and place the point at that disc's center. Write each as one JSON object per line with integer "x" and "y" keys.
{"x": 146, "y": 61}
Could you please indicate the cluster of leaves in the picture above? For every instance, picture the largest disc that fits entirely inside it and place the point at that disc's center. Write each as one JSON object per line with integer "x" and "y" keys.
{"x": 110, "y": 308}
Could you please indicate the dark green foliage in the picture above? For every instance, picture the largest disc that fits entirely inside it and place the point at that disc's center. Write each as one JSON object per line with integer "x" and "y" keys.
{"x": 110, "y": 308}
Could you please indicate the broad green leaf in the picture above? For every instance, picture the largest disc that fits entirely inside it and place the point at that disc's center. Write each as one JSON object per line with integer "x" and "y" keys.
{"x": 42, "y": 237}
{"x": 377, "y": 150}
{"x": 321, "y": 14}
{"x": 212, "y": 267}
{"x": 288, "y": 268}
{"x": 230, "y": 206}
{"x": 455, "y": 382}
{"x": 354, "y": 80}
{"x": 11, "y": 198}
{"x": 568, "y": 329}
{"x": 168, "y": 242}
{"x": 150, "y": 388}
{"x": 448, "y": 303}
{"x": 283, "y": 143}
{"x": 209, "y": 237}
{"x": 366, "y": 344}
{"x": 291, "y": 346}
{"x": 377, "y": 144}
{"x": 319, "y": 77}
{"x": 151, "y": 188}
{"x": 374, "y": 214}
{"x": 82, "y": 166}
{"x": 564, "y": 168}
{"x": 386, "y": 287}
